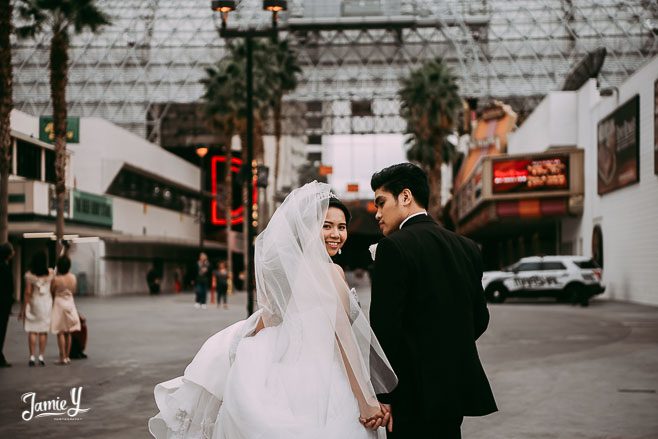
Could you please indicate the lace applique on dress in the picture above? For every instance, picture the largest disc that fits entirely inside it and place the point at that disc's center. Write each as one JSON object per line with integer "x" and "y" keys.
{"x": 207, "y": 429}
{"x": 184, "y": 421}
{"x": 355, "y": 306}
{"x": 196, "y": 421}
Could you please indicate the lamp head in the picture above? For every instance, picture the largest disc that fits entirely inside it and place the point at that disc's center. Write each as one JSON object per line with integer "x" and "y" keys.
{"x": 275, "y": 5}
{"x": 223, "y": 6}
{"x": 201, "y": 151}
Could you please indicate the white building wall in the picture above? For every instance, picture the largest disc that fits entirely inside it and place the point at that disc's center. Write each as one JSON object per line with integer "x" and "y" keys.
{"x": 25, "y": 123}
{"x": 141, "y": 230}
{"x": 553, "y": 123}
{"x": 138, "y": 219}
{"x": 626, "y": 216}
{"x": 86, "y": 259}
{"x": 125, "y": 277}
{"x": 105, "y": 147}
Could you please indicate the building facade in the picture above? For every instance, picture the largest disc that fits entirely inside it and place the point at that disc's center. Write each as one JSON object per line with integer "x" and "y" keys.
{"x": 135, "y": 205}
{"x": 612, "y": 194}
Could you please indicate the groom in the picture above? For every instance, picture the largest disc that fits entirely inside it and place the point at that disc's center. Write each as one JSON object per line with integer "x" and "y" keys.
{"x": 427, "y": 310}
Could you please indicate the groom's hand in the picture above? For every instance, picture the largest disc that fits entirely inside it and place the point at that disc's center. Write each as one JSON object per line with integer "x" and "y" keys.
{"x": 388, "y": 412}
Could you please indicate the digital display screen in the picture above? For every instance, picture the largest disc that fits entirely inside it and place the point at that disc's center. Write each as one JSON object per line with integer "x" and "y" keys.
{"x": 529, "y": 175}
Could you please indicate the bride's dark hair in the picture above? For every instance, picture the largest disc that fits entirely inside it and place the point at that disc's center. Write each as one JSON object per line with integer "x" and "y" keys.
{"x": 335, "y": 202}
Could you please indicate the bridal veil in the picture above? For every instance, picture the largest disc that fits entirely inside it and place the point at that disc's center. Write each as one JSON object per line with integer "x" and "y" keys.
{"x": 301, "y": 291}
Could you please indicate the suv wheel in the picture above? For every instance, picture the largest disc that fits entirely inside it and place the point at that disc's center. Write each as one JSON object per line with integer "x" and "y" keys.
{"x": 577, "y": 295}
{"x": 496, "y": 293}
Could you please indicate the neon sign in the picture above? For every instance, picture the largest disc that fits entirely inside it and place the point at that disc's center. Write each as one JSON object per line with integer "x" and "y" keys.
{"x": 526, "y": 175}
{"x": 237, "y": 214}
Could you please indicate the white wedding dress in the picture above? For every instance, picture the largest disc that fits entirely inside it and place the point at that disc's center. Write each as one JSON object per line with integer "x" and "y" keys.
{"x": 289, "y": 380}
{"x": 227, "y": 393}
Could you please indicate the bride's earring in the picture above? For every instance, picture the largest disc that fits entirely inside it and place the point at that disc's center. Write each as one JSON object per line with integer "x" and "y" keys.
{"x": 340, "y": 251}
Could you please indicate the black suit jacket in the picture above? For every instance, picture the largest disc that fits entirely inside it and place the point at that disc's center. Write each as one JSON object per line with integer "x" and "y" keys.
{"x": 427, "y": 310}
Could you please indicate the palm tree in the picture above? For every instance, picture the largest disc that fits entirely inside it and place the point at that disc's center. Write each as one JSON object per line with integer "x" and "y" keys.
{"x": 6, "y": 105}
{"x": 284, "y": 80}
{"x": 60, "y": 17}
{"x": 429, "y": 104}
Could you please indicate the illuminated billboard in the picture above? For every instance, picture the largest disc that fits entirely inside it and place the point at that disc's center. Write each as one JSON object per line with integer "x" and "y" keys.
{"x": 531, "y": 175}
{"x": 618, "y": 144}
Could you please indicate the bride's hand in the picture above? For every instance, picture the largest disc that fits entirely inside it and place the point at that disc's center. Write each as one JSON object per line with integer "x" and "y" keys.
{"x": 381, "y": 418}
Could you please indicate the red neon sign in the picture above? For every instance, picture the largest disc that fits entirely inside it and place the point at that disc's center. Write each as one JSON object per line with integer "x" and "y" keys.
{"x": 237, "y": 216}
{"x": 532, "y": 174}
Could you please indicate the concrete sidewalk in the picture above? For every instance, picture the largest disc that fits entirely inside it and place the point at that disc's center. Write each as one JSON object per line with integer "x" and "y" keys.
{"x": 557, "y": 371}
{"x": 134, "y": 343}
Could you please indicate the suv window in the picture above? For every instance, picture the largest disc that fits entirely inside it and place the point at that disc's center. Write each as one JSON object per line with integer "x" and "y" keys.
{"x": 587, "y": 264}
{"x": 528, "y": 266}
{"x": 553, "y": 266}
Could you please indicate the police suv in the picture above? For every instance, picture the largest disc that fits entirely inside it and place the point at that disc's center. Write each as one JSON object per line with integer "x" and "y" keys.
{"x": 567, "y": 278}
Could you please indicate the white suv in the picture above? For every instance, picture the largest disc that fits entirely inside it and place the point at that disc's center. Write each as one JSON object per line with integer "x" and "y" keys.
{"x": 567, "y": 278}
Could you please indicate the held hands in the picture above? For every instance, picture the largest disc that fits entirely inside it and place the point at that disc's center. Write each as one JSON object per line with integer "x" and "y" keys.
{"x": 384, "y": 418}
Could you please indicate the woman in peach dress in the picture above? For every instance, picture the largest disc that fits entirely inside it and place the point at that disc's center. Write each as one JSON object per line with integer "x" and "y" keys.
{"x": 65, "y": 318}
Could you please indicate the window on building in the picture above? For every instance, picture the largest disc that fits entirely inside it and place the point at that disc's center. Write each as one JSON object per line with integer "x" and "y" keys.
{"x": 50, "y": 166}
{"x": 314, "y": 122}
{"x": 314, "y": 156}
{"x": 362, "y": 108}
{"x": 138, "y": 187}
{"x": 314, "y": 107}
{"x": 315, "y": 139}
{"x": 28, "y": 158}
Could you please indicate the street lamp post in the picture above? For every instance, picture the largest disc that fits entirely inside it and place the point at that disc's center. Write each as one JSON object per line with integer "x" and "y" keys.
{"x": 201, "y": 151}
{"x": 224, "y": 7}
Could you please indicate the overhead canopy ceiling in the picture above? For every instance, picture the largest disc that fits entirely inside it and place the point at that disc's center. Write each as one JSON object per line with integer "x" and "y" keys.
{"x": 352, "y": 53}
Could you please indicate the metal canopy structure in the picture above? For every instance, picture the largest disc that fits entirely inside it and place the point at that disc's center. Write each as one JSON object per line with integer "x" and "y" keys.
{"x": 352, "y": 52}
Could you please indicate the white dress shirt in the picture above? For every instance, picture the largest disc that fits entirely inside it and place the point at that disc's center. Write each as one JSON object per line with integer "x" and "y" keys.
{"x": 424, "y": 212}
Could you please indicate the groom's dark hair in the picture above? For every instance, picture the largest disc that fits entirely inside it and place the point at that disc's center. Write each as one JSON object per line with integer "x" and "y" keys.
{"x": 396, "y": 178}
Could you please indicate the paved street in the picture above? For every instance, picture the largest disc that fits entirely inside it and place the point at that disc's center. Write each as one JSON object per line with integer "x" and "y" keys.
{"x": 557, "y": 371}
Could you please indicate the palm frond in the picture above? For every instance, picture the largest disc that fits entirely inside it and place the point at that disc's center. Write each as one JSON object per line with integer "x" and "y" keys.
{"x": 429, "y": 104}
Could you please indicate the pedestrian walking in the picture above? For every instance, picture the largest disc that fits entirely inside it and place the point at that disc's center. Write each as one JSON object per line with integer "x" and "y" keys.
{"x": 37, "y": 305}
{"x": 221, "y": 281}
{"x": 6, "y": 295}
{"x": 153, "y": 280}
{"x": 65, "y": 318}
{"x": 202, "y": 278}
{"x": 178, "y": 280}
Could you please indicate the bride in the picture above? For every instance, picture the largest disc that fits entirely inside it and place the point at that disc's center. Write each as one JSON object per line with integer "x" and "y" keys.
{"x": 306, "y": 364}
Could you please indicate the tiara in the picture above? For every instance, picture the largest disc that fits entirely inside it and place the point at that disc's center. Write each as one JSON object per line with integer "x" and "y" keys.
{"x": 325, "y": 195}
